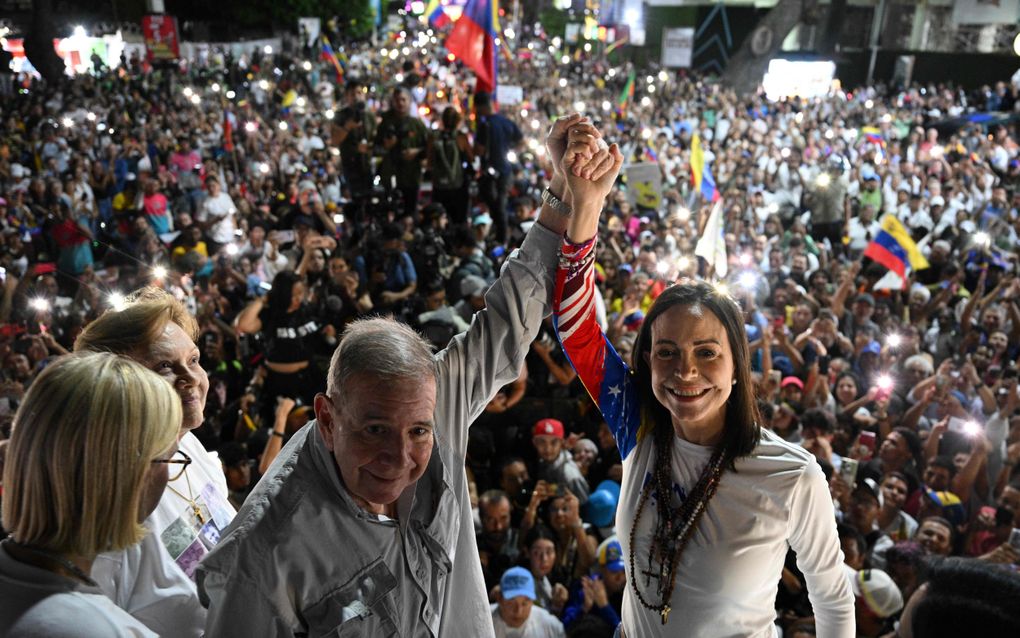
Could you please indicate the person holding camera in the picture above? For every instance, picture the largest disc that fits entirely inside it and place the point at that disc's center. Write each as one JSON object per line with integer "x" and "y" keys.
{"x": 403, "y": 141}
{"x": 353, "y": 130}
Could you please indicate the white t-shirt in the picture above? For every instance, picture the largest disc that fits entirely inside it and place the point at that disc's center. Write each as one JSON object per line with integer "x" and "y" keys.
{"x": 221, "y": 232}
{"x": 540, "y": 624}
{"x": 153, "y": 579}
{"x": 727, "y": 576}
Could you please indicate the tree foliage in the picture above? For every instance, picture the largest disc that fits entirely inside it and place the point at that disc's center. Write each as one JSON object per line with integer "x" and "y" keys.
{"x": 354, "y": 17}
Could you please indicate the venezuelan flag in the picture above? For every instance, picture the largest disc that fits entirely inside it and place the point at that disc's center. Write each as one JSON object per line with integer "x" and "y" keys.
{"x": 436, "y": 15}
{"x": 330, "y": 56}
{"x": 701, "y": 173}
{"x": 873, "y": 135}
{"x": 473, "y": 40}
{"x": 893, "y": 248}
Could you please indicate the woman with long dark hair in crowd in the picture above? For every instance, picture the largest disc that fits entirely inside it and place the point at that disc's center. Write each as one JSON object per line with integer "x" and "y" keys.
{"x": 710, "y": 501}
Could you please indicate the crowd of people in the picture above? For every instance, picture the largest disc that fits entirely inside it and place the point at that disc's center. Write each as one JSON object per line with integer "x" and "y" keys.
{"x": 224, "y": 224}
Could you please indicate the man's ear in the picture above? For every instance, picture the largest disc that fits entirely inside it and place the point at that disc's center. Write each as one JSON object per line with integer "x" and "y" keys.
{"x": 324, "y": 419}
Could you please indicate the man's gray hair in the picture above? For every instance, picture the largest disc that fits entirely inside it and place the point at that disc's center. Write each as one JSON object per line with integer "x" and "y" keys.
{"x": 380, "y": 347}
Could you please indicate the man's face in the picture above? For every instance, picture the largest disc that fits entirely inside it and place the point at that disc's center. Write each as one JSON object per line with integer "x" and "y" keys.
{"x": 937, "y": 478}
{"x": 401, "y": 103}
{"x": 496, "y": 519}
{"x": 515, "y": 476}
{"x": 894, "y": 491}
{"x": 934, "y": 537}
{"x": 863, "y": 511}
{"x": 1010, "y": 498}
{"x": 515, "y": 611}
{"x": 380, "y": 435}
{"x": 852, "y": 553}
{"x": 799, "y": 265}
{"x": 548, "y": 447}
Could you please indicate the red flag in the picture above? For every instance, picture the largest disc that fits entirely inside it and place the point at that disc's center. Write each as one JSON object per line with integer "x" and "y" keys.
{"x": 473, "y": 40}
{"x": 228, "y": 133}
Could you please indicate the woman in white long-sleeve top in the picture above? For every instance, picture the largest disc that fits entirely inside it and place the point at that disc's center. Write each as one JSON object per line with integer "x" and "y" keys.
{"x": 710, "y": 502}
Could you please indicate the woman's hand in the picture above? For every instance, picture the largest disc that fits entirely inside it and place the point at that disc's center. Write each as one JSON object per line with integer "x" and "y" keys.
{"x": 556, "y": 140}
{"x": 590, "y": 176}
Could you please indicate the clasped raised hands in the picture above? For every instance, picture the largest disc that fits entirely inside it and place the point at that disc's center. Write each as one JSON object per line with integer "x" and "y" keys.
{"x": 582, "y": 158}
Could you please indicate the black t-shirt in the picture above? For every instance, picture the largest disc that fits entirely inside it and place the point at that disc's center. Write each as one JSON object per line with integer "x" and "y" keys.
{"x": 292, "y": 338}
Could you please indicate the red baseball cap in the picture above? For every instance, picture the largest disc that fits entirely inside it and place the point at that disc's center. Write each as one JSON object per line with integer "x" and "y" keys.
{"x": 791, "y": 380}
{"x": 548, "y": 427}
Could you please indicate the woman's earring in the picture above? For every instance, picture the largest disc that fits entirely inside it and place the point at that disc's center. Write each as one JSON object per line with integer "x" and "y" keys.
{"x": 734, "y": 382}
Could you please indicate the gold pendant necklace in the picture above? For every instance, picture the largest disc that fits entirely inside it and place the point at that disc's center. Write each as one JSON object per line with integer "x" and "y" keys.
{"x": 190, "y": 498}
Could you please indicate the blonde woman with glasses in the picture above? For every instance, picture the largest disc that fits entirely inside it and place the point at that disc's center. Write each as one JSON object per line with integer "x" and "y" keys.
{"x": 87, "y": 462}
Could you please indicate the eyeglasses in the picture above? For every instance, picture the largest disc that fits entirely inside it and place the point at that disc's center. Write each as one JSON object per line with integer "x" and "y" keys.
{"x": 184, "y": 461}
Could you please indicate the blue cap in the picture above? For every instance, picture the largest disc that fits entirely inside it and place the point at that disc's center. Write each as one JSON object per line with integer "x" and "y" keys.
{"x": 873, "y": 347}
{"x": 602, "y": 504}
{"x": 515, "y": 582}
{"x": 610, "y": 555}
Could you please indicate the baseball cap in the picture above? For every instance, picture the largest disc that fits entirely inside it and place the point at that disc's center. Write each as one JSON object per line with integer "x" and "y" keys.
{"x": 610, "y": 555}
{"x": 517, "y": 581}
{"x": 870, "y": 487}
{"x": 548, "y": 427}
{"x": 938, "y": 201}
{"x": 602, "y": 504}
{"x": 482, "y": 220}
{"x": 866, "y": 298}
{"x": 791, "y": 380}
{"x": 873, "y": 347}
{"x": 952, "y": 506}
{"x": 880, "y": 593}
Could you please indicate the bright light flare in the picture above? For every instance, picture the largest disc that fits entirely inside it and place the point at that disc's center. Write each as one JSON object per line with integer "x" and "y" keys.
{"x": 884, "y": 382}
{"x": 894, "y": 340}
{"x": 748, "y": 280}
{"x": 981, "y": 238}
{"x": 823, "y": 180}
{"x": 117, "y": 301}
{"x": 159, "y": 272}
{"x": 662, "y": 268}
{"x": 39, "y": 304}
{"x": 232, "y": 249}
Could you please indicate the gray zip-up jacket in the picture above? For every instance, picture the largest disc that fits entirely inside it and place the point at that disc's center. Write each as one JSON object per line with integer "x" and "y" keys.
{"x": 301, "y": 558}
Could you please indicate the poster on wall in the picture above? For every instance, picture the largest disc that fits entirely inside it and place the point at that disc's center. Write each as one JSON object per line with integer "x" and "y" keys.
{"x": 162, "y": 41}
{"x": 677, "y": 47}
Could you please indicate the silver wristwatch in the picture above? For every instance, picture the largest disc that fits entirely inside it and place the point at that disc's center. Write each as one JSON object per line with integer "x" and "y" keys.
{"x": 556, "y": 203}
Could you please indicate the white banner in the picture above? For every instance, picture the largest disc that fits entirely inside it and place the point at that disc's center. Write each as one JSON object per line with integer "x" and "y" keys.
{"x": 677, "y": 47}
{"x": 312, "y": 28}
{"x": 986, "y": 12}
{"x": 509, "y": 94}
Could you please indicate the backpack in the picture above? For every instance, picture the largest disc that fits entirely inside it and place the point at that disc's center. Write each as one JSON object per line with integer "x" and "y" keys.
{"x": 447, "y": 169}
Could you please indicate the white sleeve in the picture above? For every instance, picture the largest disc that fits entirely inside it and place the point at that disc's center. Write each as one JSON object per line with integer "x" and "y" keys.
{"x": 813, "y": 537}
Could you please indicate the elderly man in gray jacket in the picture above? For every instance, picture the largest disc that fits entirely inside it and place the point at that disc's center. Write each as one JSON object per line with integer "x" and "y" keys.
{"x": 363, "y": 525}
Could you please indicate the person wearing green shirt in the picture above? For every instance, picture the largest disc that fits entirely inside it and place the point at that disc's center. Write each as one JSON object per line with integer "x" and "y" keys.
{"x": 402, "y": 140}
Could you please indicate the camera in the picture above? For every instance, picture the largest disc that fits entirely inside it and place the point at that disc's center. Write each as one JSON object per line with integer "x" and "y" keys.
{"x": 355, "y": 113}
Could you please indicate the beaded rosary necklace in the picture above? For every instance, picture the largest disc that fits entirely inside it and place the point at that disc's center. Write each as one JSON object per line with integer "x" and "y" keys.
{"x": 674, "y": 528}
